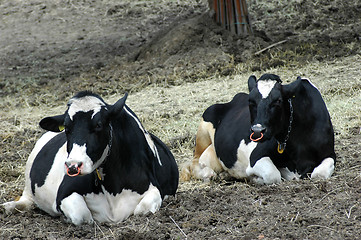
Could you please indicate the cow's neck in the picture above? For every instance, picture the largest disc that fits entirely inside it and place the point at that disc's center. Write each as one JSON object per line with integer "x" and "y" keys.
{"x": 99, "y": 171}
{"x": 116, "y": 166}
{"x": 126, "y": 158}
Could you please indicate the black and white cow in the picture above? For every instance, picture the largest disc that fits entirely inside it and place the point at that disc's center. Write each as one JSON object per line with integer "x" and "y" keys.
{"x": 104, "y": 166}
{"x": 276, "y": 131}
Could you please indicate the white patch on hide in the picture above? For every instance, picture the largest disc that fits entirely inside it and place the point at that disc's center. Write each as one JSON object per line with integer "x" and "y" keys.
{"x": 78, "y": 156}
{"x": 265, "y": 170}
{"x": 106, "y": 207}
{"x": 243, "y": 155}
{"x": 150, "y": 202}
{"x": 208, "y": 165}
{"x": 45, "y": 195}
{"x": 27, "y": 198}
{"x": 84, "y": 104}
{"x": 265, "y": 87}
{"x": 76, "y": 210}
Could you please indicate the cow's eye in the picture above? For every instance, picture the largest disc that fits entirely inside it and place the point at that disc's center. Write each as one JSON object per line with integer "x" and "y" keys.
{"x": 98, "y": 126}
{"x": 277, "y": 103}
{"x": 252, "y": 104}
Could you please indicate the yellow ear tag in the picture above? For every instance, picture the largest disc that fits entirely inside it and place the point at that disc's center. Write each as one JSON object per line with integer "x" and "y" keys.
{"x": 279, "y": 149}
{"x": 98, "y": 174}
{"x": 61, "y": 128}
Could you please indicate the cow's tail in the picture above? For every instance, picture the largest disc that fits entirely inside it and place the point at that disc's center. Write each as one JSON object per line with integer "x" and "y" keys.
{"x": 204, "y": 163}
{"x": 189, "y": 170}
{"x": 23, "y": 203}
{"x": 199, "y": 170}
{"x": 186, "y": 171}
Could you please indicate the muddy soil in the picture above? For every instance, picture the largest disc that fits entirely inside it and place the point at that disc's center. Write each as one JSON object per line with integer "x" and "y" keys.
{"x": 49, "y": 50}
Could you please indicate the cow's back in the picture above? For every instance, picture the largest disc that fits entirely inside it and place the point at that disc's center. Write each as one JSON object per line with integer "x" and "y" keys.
{"x": 313, "y": 129}
{"x": 232, "y": 124}
{"x": 167, "y": 175}
{"x": 318, "y": 108}
{"x": 309, "y": 101}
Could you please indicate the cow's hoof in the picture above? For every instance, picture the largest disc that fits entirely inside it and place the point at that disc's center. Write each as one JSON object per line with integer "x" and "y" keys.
{"x": 8, "y": 207}
{"x": 324, "y": 170}
{"x": 151, "y": 202}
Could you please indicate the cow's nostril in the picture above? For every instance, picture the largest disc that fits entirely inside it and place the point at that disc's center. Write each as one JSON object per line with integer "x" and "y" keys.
{"x": 257, "y": 132}
{"x": 73, "y": 169}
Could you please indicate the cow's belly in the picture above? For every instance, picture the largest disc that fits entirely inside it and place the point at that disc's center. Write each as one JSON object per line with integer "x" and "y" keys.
{"x": 107, "y": 207}
{"x": 45, "y": 195}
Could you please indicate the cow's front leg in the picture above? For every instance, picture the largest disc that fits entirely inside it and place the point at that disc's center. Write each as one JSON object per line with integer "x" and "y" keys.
{"x": 75, "y": 209}
{"x": 150, "y": 202}
{"x": 324, "y": 170}
{"x": 265, "y": 170}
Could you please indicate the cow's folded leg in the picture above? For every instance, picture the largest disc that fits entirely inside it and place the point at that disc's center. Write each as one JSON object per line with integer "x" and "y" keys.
{"x": 75, "y": 209}
{"x": 324, "y": 170}
{"x": 289, "y": 175}
{"x": 209, "y": 164}
{"x": 265, "y": 170}
{"x": 150, "y": 202}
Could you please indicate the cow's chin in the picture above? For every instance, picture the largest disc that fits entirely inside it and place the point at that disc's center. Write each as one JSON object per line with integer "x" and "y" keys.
{"x": 89, "y": 167}
{"x": 266, "y": 137}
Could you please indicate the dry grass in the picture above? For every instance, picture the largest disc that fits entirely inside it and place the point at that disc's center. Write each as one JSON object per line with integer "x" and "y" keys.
{"x": 173, "y": 113}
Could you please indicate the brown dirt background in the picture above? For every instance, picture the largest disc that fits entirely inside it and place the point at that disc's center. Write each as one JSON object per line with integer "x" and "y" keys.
{"x": 175, "y": 61}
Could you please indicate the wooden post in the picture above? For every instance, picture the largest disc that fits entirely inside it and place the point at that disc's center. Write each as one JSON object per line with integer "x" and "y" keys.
{"x": 232, "y": 15}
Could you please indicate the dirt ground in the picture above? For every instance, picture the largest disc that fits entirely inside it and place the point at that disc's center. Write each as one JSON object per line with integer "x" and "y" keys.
{"x": 51, "y": 49}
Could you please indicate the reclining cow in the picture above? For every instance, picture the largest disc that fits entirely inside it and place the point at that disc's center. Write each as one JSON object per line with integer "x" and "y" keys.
{"x": 113, "y": 166}
{"x": 277, "y": 131}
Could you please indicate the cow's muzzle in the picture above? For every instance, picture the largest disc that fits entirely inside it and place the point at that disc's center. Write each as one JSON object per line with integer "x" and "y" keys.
{"x": 73, "y": 169}
{"x": 257, "y": 132}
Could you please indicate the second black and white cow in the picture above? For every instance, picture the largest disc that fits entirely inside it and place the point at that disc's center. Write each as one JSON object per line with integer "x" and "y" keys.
{"x": 274, "y": 131}
{"x": 104, "y": 166}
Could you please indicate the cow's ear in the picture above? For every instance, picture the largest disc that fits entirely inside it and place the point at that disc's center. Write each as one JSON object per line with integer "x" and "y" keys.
{"x": 53, "y": 124}
{"x": 118, "y": 106}
{"x": 290, "y": 90}
{"x": 252, "y": 82}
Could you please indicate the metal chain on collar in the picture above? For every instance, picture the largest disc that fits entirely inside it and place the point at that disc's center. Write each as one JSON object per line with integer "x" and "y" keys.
{"x": 110, "y": 140}
{"x": 291, "y": 120}
{"x": 282, "y": 146}
{"x": 98, "y": 173}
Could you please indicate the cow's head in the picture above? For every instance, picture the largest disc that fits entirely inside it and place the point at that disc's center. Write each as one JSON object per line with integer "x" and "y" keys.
{"x": 269, "y": 106}
{"x": 87, "y": 125}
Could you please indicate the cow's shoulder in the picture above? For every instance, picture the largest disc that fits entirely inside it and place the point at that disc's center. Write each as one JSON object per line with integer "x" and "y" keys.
{"x": 308, "y": 84}
{"x": 217, "y": 112}
{"x": 232, "y": 127}
{"x": 167, "y": 174}
{"x": 307, "y": 89}
{"x": 308, "y": 99}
